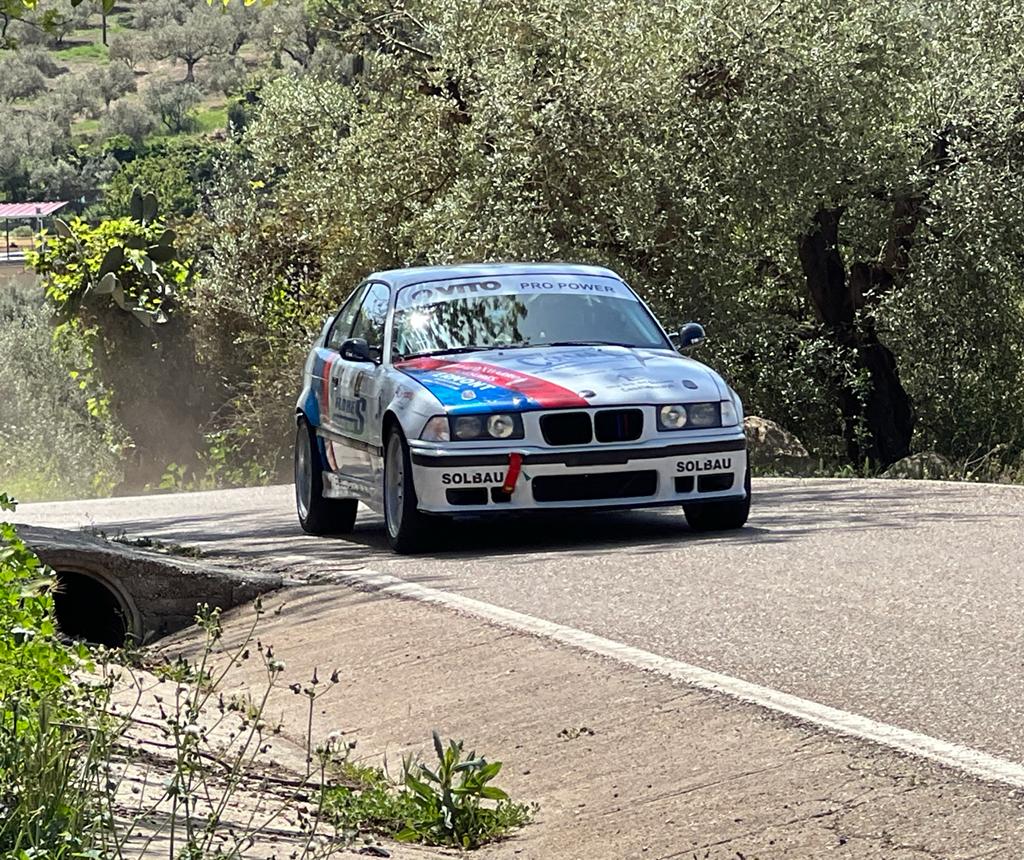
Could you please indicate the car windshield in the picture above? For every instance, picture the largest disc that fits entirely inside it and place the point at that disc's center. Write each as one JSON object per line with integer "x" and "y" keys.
{"x": 511, "y": 312}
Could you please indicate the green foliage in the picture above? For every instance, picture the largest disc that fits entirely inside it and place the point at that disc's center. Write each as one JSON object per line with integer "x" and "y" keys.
{"x": 125, "y": 125}
{"x": 174, "y": 103}
{"x": 193, "y": 32}
{"x": 223, "y": 462}
{"x": 66, "y": 760}
{"x": 18, "y": 79}
{"x": 174, "y": 170}
{"x": 687, "y": 146}
{"x": 448, "y": 804}
{"x": 57, "y": 439}
{"x": 34, "y": 668}
{"x": 44, "y": 802}
{"x": 453, "y": 804}
{"x": 48, "y": 804}
{"x": 79, "y": 92}
{"x": 130, "y": 263}
{"x": 112, "y": 81}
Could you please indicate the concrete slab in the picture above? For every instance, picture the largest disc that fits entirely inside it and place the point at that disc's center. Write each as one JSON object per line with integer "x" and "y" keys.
{"x": 623, "y": 764}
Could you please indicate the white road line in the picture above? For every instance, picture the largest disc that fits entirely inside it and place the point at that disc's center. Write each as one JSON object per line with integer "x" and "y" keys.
{"x": 951, "y": 755}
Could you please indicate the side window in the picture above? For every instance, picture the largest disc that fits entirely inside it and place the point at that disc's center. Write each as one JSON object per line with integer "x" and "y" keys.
{"x": 372, "y": 315}
{"x": 343, "y": 322}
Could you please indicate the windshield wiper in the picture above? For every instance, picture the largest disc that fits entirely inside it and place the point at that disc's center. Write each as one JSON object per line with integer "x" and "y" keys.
{"x": 451, "y": 350}
{"x": 585, "y": 343}
{"x": 476, "y": 347}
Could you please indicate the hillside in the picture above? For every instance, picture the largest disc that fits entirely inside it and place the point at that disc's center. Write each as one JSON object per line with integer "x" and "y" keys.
{"x": 77, "y": 103}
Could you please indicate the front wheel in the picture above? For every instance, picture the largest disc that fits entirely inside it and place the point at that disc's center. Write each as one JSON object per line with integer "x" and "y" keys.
{"x": 720, "y": 516}
{"x": 405, "y": 524}
{"x": 317, "y": 515}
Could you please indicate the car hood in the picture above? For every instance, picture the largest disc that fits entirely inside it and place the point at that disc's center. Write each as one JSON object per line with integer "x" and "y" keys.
{"x": 563, "y": 377}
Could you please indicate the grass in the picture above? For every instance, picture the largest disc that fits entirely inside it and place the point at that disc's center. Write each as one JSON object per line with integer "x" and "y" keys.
{"x": 212, "y": 119}
{"x": 85, "y": 128}
{"x": 84, "y": 52}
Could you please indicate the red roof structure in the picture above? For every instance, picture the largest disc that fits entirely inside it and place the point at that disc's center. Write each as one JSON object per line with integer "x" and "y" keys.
{"x": 17, "y": 211}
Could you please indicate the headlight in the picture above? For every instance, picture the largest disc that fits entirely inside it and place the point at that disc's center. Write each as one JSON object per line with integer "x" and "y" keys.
{"x": 704, "y": 414}
{"x": 730, "y": 418}
{"x": 501, "y": 426}
{"x": 469, "y": 428}
{"x": 692, "y": 416}
{"x": 672, "y": 417}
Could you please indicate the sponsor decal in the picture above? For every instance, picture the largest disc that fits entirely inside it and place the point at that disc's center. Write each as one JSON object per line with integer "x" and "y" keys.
{"x": 322, "y": 371}
{"x": 403, "y": 397}
{"x": 332, "y": 455}
{"x": 564, "y": 359}
{"x": 446, "y": 292}
{"x": 473, "y": 478}
{"x": 631, "y": 384}
{"x": 566, "y": 286}
{"x": 341, "y": 486}
{"x": 719, "y": 464}
{"x": 489, "y": 385}
{"x": 350, "y": 412}
{"x": 418, "y": 295}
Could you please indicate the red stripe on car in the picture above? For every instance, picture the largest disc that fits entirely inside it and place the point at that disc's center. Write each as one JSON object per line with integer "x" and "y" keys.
{"x": 545, "y": 394}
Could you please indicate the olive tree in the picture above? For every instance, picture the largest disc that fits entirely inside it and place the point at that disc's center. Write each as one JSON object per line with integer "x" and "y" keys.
{"x": 816, "y": 181}
{"x": 130, "y": 118}
{"x": 112, "y": 81}
{"x": 190, "y": 32}
{"x": 19, "y": 79}
{"x": 174, "y": 103}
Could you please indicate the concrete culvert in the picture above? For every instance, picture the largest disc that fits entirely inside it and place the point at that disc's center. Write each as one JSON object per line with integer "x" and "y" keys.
{"x": 113, "y": 592}
{"x": 89, "y": 610}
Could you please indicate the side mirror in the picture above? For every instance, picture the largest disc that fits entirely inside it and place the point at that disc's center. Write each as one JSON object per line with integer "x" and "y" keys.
{"x": 690, "y": 335}
{"x": 355, "y": 349}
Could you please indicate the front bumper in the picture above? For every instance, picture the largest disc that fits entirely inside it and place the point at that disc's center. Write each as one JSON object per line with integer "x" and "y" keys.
{"x": 454, "y": 480}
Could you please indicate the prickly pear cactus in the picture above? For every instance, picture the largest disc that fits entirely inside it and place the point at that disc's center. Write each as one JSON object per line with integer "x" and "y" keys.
{"x": 131, "y": 264}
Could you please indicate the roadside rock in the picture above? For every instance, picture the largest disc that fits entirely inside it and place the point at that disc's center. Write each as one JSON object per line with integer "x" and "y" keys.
{"x": 770, "y": 446}
{"x": 921, "y": 466}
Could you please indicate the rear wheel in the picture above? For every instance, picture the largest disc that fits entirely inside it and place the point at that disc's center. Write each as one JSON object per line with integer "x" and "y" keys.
{"x": 317, "y": 515}
{"x": 406, "y": 526}
{"x": 720, "y": 516}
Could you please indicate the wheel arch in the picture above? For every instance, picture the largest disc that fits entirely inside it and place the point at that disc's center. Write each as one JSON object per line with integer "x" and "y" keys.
{"x": 308, "y": 408}
{"x": 388, "y": 423}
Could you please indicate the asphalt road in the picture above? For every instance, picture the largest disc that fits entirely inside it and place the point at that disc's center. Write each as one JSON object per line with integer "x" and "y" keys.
{"x": 900, "y": 601}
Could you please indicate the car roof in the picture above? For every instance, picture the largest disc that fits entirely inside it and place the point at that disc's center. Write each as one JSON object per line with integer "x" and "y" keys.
{"x": 399, "y": 278}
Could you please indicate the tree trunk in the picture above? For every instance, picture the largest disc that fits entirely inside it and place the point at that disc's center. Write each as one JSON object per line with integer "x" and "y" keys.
{"x": 886, "y": 414}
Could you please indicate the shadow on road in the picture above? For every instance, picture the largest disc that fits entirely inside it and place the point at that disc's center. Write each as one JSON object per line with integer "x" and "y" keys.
{"x": 782, "y": 512}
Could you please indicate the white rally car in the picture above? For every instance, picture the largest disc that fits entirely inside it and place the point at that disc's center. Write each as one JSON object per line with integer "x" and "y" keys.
{"x": 493, "y": 389}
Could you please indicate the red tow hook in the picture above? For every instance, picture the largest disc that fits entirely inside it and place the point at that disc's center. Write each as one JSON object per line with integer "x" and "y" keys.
{"x": 515, "y": 466}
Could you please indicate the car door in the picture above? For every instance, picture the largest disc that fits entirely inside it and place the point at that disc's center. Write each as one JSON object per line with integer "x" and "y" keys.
{"x": 327, "y": 356}
{"x": 356, "y": 388}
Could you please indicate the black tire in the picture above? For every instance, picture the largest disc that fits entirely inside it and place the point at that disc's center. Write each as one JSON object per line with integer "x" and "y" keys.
{"x": 405, "y": 525}
{"x": 317, "y": 515}
{"x": 720, "y": 516}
